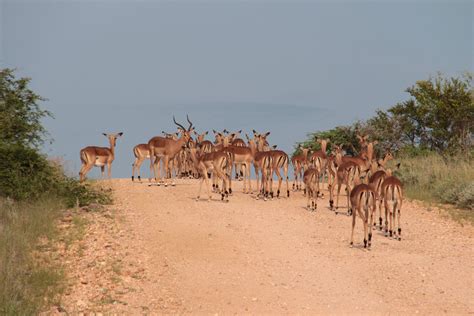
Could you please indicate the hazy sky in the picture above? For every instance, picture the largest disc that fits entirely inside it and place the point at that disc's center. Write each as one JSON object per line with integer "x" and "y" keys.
{"x": 290, "y": 67}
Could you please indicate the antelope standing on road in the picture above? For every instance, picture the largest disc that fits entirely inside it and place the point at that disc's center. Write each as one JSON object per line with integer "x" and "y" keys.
{"x": 141, "y": 152}
{"x": 215, "y": 163}
{"x": 363, "y": 204}
{"x": 392, "y": 195}
{"x": 279, "y": 160}
{"x": 98, "y": 156}
{"x": 300, "y": 163}
{"x": 161, "y": 147}
{"x": 311, "y": 182}
{"x": 262, "y": 162}
{"x": 319, "y": 159}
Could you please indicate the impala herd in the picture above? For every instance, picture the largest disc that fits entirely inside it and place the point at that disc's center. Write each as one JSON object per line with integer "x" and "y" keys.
{"x": 368, "y": 184}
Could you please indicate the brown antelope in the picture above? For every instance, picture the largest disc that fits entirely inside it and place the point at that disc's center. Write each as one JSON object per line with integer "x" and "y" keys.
{"x": 215, "y": 163}
{"x": 262, "y": 162}
{"x": 392, "y": 195}
{"x": 366, "y": 146}
{"x": 319, "y": 158}
{"x": 361, "y": 160}
{"x": 311, "y": 182}
{"x": 376, "y": 179}
{"x": 161, "y": 147}
{"x": 239, "y": 142}
{"x": 141, "y": 152}
{"x": 98, "y": 156}
{"x": 346, "y": 174}
{"x": 203, "y": 145}
{"x": 300, "y": 163}
{"x": 279, "y": 160}
{"x": 363, "y": 204}
{"x": 331, "y": 167}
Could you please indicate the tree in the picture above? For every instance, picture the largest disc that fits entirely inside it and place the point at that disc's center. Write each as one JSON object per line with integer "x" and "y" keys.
{"x": 444, "y": 112}
{"x": 20, "y": 114}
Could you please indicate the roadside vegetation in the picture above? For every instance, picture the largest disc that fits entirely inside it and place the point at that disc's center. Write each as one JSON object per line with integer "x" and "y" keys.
{"x": 431, "y": 135}
{"x": 34, "y": 193}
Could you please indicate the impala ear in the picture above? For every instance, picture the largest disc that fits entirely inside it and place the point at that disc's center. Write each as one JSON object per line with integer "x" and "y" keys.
{"x": 240, "y": 131}
{"x": 274, "y": 146}
{"x": 105, "y": 134}
{"x": 120, "y": 134}
{"x": 215, "y": 132}
{"x": 267, "y": 133}
{"x": 254, "y": 132}
{"x": 207, "y": 132}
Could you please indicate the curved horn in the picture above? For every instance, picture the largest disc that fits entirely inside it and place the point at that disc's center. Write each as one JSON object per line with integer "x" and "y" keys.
{"x": 174, "y": 120}
{"x": 190, "y": 123}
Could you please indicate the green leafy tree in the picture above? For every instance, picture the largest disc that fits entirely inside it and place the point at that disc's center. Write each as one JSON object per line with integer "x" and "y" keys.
{"x": 443, "y": 110}
{"x": 20, "y": 114}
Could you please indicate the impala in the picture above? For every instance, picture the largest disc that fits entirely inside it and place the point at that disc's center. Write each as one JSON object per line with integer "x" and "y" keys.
{"x": 98, "y": 156}
{"x": 363, "y": 204}
{"x": 141, "y": 152}
{"x": 300, "y": 163}
{"x": 392, "y": 195}
{"x": 205, "y": 146}
{"x": 346, "y": 174}
{"x": 215, "y": 163}
{"x": 161, "y": 147}
{"x": 262, "y": 162}
{"x": 279, "y": 160}
{"x": 319, "y": 159}
{"x": 311, "y": 182}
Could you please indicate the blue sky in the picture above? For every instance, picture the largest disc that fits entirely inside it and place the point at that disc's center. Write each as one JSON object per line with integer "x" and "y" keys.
{"x": 290, "y": 67}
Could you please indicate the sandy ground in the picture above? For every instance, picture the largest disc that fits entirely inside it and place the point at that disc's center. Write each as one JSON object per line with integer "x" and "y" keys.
{"x": 275, "y": 257}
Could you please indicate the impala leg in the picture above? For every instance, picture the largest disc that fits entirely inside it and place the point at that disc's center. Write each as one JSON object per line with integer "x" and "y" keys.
{"x": 166, "y": 166}
{"x": 308, "y": 201}
{"x": 247, "y": 170}
{"x": 280, "y": 180}
{"x": 102, "y": 173}
{"x": 109, "y": 170}
{"x": 353, "y": 226}
{"x": 399, "y": 206}
{"x": 365, "y": 227}
{"x": 138, "y": 166}
{"x": 348, "y": 191}
{"x": 371, "y": 212}
{"x": 380, "y": 212}
{"x": 200, "y": 186}
{"x": 152, "y": 167}
{"x": 258, "y": 178}
{"x": 386, "y": 216}
{"x": 337, "y": 196}
{"x": 208, "y": 185}
{"x": 157, "y": 170}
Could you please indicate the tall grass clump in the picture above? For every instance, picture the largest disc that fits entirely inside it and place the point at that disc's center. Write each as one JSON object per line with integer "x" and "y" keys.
{"x": 429, "y": 177}
{"x": 27, "y": 285}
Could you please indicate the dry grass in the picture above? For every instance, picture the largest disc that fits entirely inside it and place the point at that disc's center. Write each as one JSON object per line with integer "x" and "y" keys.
{"x": 429, "y": 178}
{"x": 28, "y": 283}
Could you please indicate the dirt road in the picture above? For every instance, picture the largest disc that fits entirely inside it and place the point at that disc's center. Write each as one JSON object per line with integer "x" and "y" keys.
{"x": 275, "y": 257}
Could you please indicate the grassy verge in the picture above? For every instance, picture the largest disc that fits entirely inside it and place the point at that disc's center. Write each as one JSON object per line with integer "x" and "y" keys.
{"x": 31, "y": 277}
{"x": 429, "y": 178}
{"x": 27, "y": 284}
